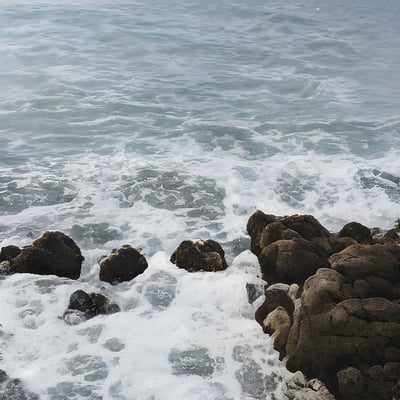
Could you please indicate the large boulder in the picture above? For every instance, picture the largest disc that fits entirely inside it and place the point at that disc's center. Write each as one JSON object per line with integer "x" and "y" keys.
{"x": 357, "y": 231}
{"x": 83, "y": 306}
{"x": 123, "y": 264}
{"x": 334, "y": 330}
{"x": 53, "y": 253}
{"x": 289, "y": 261}
{"x": 289, "y": 248}
{"x": 199, "y": 255}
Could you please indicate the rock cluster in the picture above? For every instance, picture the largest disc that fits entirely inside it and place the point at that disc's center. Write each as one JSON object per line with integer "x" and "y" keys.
{"x": 345, "y": 328}
{"x": 83, "y": 306}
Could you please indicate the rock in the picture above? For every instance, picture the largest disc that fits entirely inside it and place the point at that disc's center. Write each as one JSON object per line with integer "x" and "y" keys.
{"x": 289, "y": 248}
{"x": 345, "y": 328}
{"x": 377, "y": 383}
{"x": 5, "y": 267}
{"x": 254, "y": 291}
{"x": 357, "y": 231}
{"x": 9, "y": 252}
{"x": 334, "y": 330}
{"x": 255, "y": 226}
{"x": 278, "y": 323}
{"x": 13, "y": 389}
{"x": 274, "y": 298}
{"x": 289, "y": 261}
{"x": 53, "y": 253}
{"x": 199, "y": 255}
{"x": 83, "y": 306}
{"x": 359, "y": 261}
{"x": 297, "y": 388}
{"x": 392, "y": 234}
{"x": 123, "y": 264}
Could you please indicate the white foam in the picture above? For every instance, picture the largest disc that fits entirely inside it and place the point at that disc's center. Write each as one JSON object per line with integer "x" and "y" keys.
{"x": 209, "y": 311}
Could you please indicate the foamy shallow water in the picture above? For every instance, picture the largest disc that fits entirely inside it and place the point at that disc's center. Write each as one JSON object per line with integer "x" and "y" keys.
{"x": 148, "y": 123}
{"x": 178, "y": 335}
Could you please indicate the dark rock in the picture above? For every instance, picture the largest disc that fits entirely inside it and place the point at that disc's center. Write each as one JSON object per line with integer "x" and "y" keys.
{"x": 392, "y": 234}
{"x": 9, "y": 252}
{"x": 289, "y": 248}
{"x": 255, "y": 226}
{"x": 378, "y": 382}
{"x": 254, "y": 291}
{"x": 199, "y": 255}
{"x": 53, "y": 253}
{"x": 83, "y": 306}
{"x": 306, "y": 225}
{"x": 82, "y": 301}
{"x": 357, "y": 231}
{"x": 123, "y": 264}
{"x": 13, "y": 389}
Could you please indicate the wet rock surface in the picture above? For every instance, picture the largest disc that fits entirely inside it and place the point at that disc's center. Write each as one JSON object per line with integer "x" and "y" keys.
{"x": 53, "y": 253}
{"x": 13, "y": 389}
{"x": 123, "y": 264}
{"x": 83, "y": 306}
{"x": 345, "y": 328}
{"x": 195, "y": 361}
{"x": 199, "y": 255}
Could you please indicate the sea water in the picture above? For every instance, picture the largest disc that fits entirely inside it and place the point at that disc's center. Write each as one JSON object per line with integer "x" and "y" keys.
{"x": 151, "y": 122}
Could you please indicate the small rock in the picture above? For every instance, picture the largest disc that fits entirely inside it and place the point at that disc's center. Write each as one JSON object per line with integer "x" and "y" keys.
{"x": 199, "y": 255}
{"x": 123, "y": 264}
{"x": 83, "y": 306}
{"x": 9, "y": 252}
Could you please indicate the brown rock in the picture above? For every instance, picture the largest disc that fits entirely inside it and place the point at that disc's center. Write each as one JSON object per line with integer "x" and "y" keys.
{"x": 123, "y": 264}
{"x": 199, "y": 255}
{"x": 53, "y": 253}
{"x": 357, "y": 231}
{"x": 360, "y": 261}
{"x": 278, "y": 323}
{"x": 273, "y": 299}
{"x": 255, "y": 226}
{"x": 289, "y": 261}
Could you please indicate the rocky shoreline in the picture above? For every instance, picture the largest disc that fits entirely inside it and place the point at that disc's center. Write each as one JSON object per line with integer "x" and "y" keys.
{"x": 331, "y": 300}
{"x": 335, "y": 315}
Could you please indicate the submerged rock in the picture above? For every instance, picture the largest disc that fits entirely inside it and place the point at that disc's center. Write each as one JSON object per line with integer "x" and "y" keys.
{"x": 192, "y": 362}
{"x": 13, "y": 389}
{"x": 83, "y": 306}
{"x": 199, "y": 255}
{"x": 123, "y": 264}
{"x": 53, "y": 253}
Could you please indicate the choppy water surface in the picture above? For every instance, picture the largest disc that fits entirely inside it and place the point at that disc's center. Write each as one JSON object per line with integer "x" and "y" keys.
{"x": 152, "y": 122}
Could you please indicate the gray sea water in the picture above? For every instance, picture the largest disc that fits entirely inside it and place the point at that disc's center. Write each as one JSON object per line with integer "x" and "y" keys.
{"x": 151, "y": 122}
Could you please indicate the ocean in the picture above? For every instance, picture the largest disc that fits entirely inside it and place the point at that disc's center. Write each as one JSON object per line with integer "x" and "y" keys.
{"x": 152, "y": 122}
